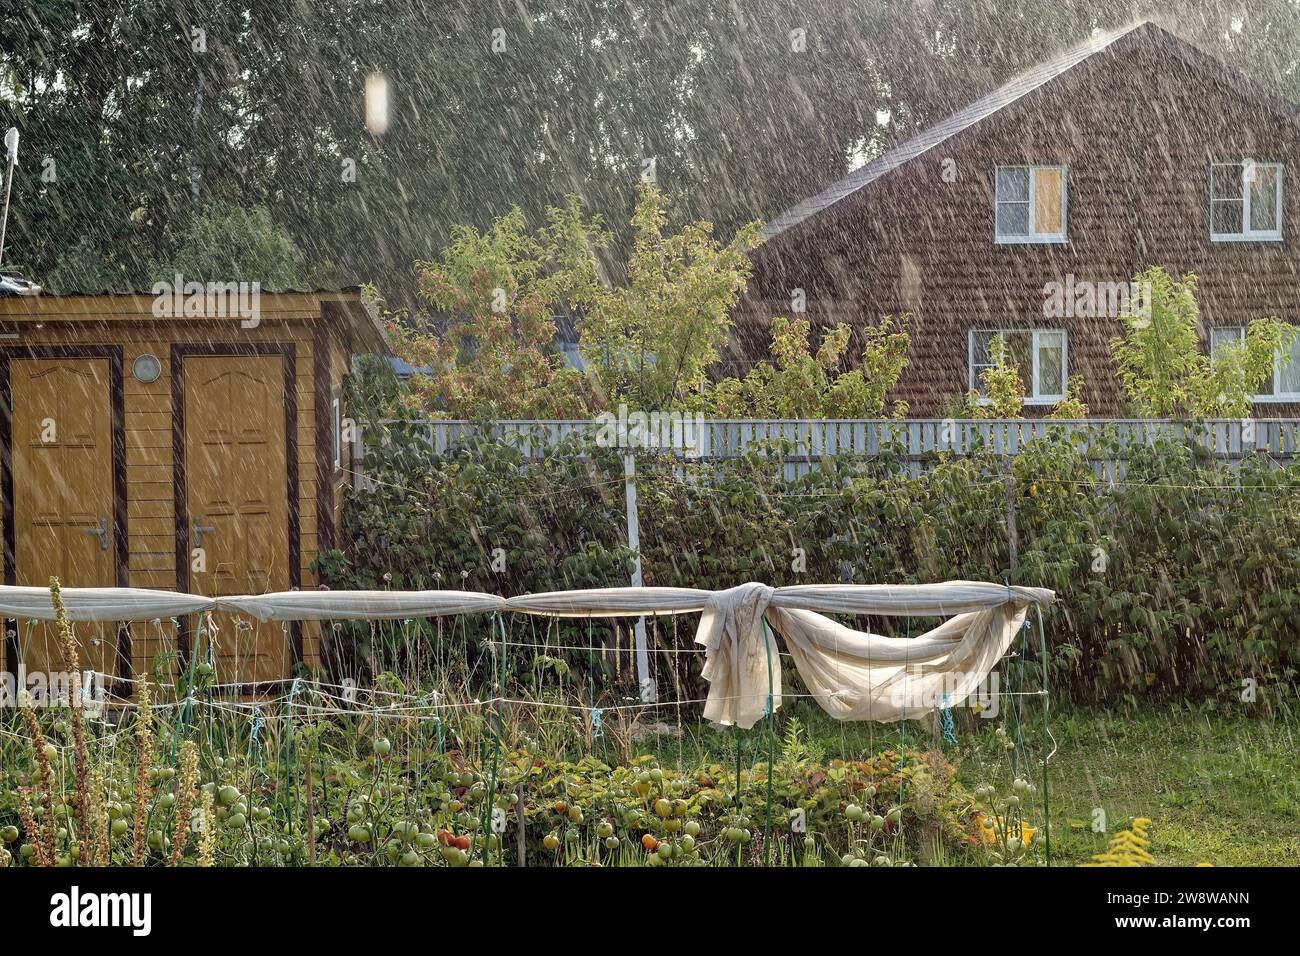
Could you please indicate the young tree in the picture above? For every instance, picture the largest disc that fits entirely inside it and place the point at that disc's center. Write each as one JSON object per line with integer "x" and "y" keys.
{"x": 650, "y": 341}
{"x": 799, "y": 383}
{"x": 487, "y": 347}
{"x": 1003, "y": 391}
{"x": 1162, "y": 369}
{"x": 1071, "y": 406}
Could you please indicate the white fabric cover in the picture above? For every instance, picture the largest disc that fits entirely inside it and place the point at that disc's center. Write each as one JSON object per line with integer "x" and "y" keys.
{"x": 611, "y": 602}
{"x": 100, "y": 604}
{"x": 140, "y": 604}
{"x": 900, "y": 600}
{"x": 851, "y": 674}
{"x": 358, "y": 605}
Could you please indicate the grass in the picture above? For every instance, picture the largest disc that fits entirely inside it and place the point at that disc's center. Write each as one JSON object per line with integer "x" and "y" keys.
{"x": 1220, "y": 788}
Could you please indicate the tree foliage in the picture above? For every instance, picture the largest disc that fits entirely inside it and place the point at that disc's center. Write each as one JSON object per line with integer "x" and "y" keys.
{"x": 227, "y": 243}
{"x": 1165, "y": 373}
{"x": 486, "y": 347}
{"x": 744, "y": 109}
{"x": 650, "y": 341}
{"x": 1002, "y": 391}
{"x": 801, "y": 383}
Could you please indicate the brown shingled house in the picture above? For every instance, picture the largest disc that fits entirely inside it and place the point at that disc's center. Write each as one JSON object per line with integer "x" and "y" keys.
{"x": 1131, "y": 150}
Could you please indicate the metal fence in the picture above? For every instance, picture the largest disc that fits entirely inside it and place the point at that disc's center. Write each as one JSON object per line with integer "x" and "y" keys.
{"x": 916, "y": 441}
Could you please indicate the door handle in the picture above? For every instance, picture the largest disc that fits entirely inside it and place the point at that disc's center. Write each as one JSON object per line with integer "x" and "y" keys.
{"x": 200, "y": 530}
{"x": 100, "y": 530}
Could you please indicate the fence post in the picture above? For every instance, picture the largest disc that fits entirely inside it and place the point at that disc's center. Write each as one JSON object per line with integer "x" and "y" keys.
{"x": 646, "y": 684}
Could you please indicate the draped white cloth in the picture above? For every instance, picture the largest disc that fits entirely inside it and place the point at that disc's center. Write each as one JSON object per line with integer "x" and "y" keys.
{"x": 853, "y": 675}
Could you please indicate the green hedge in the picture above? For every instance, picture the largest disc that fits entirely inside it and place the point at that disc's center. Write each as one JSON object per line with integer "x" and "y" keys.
{"x": 1184, "y": 579}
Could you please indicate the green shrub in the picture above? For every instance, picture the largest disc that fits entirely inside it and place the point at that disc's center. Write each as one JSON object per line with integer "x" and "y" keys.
{"x": 1182, "y": 579}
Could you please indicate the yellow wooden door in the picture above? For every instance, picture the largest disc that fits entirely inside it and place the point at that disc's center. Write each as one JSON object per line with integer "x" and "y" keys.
{"x": 63, "y": 496}
{"x": 237, "y": 498}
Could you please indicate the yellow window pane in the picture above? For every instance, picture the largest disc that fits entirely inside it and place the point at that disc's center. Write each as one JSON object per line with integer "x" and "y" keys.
{"x": 1047, "y": 201}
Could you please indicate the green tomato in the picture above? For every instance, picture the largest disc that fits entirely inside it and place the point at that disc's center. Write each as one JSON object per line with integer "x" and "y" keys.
{"x": 119, "y": 827}
{"x": 227, "y": 795}
{"x": 383, "y": 746}
{"x": 9, "y": 834}
{"x": 359, "y": 834}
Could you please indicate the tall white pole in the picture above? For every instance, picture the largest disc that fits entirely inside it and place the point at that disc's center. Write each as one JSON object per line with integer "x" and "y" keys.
{"x": 649, "y": 693}
{"x": 11, "y": 153}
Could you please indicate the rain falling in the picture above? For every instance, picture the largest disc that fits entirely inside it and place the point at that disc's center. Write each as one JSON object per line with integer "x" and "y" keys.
{"x": 773, "y": 434}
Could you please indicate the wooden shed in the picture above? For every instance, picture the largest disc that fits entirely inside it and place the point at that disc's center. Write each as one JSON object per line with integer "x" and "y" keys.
{"x": 174, "y": 442}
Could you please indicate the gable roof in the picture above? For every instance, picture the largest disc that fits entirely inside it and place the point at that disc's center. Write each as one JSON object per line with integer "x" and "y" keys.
{"x": 982, "y": 108}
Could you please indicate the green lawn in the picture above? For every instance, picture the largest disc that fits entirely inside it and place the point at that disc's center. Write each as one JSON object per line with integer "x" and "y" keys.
{"x": 1218, "y": 788}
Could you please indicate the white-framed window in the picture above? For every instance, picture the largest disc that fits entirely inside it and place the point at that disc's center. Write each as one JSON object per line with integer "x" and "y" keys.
{"x": 1040, "y": 355}
{"x": 1031, "y": 204}
{"x": 1246, "y": 202}
{"x": 1284, "y": 384}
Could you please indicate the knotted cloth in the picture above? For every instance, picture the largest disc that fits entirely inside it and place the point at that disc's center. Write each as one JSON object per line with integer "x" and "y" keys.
{"x": 855, "y": 675}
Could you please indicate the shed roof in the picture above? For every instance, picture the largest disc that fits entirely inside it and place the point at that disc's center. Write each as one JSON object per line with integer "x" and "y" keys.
{"x": 369, "y": 333}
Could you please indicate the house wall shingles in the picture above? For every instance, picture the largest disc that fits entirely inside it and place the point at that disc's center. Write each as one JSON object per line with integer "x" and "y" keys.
{"x": 1137, "y": 126}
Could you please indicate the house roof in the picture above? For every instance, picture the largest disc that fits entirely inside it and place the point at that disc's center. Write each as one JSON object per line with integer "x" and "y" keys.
{"x": 963, "y": 119}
